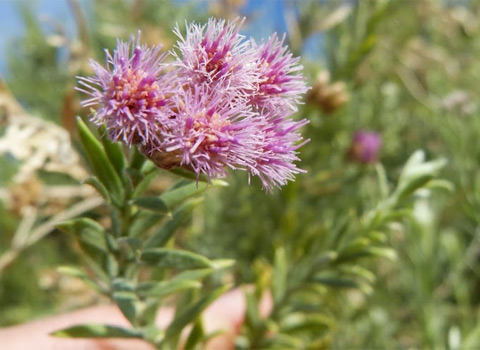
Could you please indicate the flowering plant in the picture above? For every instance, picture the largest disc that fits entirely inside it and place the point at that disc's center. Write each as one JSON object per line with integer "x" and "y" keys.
{"x": 217, "y": 103}
{"x": 222, "y": 103}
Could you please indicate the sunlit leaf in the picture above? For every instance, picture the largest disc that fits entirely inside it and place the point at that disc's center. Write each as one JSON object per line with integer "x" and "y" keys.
{"x": 97, "y": 331}
{"x": 101, "y": 165}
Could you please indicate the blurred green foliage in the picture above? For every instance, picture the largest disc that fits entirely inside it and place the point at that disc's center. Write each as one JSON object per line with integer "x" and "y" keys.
{"x": 409, "y": 71}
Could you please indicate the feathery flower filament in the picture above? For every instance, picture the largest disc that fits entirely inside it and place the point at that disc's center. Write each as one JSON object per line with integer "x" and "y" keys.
{"x": 223, "y": 102}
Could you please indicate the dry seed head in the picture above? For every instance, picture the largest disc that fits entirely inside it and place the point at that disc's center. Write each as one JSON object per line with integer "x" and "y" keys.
{"x": 326, "y": 95}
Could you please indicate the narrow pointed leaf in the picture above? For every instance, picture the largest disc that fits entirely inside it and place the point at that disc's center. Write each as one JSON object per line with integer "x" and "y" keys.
{"x": 143, "y": 184}
{"x": 128, "y": 303}
{"x": 189, "y": 275}
{"x": 178, "y": 195}
{"x": 282, "y": 341}
{"x": 353, "y": 248}
{"x": 101, "y": 165}
{"x": 384, "y": 252}
{"x": 190, "y": 313}
{"x": 280, "y": 272}
{"x": 153, "y": 203}
{"x": 252, "y": 311}
{"x": 101, "y": 189}
{"x": 357, "y": 270}
{"x": 97, "y": 331}
{"x": 189, "y": 175}
{"x": 296, "y": 322}
{"x": 166, "y": 288}
{"x": 86, "y": 230}
{"x": 174, "y": 258}
{"x": 196, "y": 335}
{"x": 337, "y": 282}
{"x": 114, "y": 152}
{"x": 73, "y": 271}
{"x": 143, "y": 221}
{"x": 164, "y": 233}
{"x": 137, "y": 159}
{"x": 325, "y": 259}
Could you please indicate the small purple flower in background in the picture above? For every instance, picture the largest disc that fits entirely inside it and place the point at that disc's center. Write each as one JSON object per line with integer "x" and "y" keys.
{"x": 365, "y": 147}
{"x": 130, "y": 92}
{"x": 223, "y": 102}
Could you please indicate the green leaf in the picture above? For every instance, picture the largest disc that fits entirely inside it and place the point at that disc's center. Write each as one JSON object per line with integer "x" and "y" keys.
{"x": 86, "y": 230}
{"x": 93, "y": 245}
{"x": 164, "y": 233}
{"x": 131, "y": 244}
{"x": 143, "y": 184}
{"x": 252, "y": 312}
{"x": 153, "y": 203}
{"x": 163, "y": 289}
{"x": 359, "y": 271}
{"x": 114, "y": 152}
{"x": 282, "y": 341}
{"x": 196, "y": 335}
{"x": 178, "y": 195}
{"x": 354, "y": 247}
{"x": 78, "y": 273}
{"x": 101, "y": 189}
{"x": 220, "y": 264}
{"x": 128, "y": 303}
{"x": 137, "y": 159}
{"x": 297, "y": 322}
{"x": 189, "y": 275}
{"x": 417, "y": 173}
{"x": 101, "y": 165}
{"x": 122, "y": 285}
{"x": 325, "y": 259}
{"x": 384, "y": 252}
{"x": 190, "y": 313}
{"x": 189, "y": 174}
{"x": 111, "y": 265}
{"x": 142, "y": 222}
{"x": 174, "y": 258}
{"x": 96, "y": 331}
{"x": 153, "y": 334}
{"x": 131, "y": 177}
{"x": 407, "y": 188}
{"x": 280, "y": 272}
{"x": 339, "y": 232}
{"x": 382, "y": 180}
{"x": 439, "y": 184}
{"x": 377, "y": 237}
{"x": 336, "y": 282}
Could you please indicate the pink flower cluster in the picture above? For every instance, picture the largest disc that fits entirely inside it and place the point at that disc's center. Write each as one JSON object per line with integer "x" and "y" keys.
{"x": 222, "y": 102}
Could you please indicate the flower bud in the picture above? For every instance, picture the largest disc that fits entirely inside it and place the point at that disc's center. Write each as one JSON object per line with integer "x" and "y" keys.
{"x": 365, "y": 147}
{"x": 326, "y": 95}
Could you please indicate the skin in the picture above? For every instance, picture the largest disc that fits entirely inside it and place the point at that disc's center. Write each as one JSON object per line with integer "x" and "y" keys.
{"x": 224, "y": 314}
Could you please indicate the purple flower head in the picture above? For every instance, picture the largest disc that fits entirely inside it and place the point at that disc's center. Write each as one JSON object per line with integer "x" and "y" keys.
{"x": 365, "y": 147}
{"x": 130, "y": 92}
{"x": 216, "y": 54}
{"x": 278, "y": 152}
{"x": 224, "y": 103}
{"x": 208, "y": 135}
{"x": 278, "y": 73}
